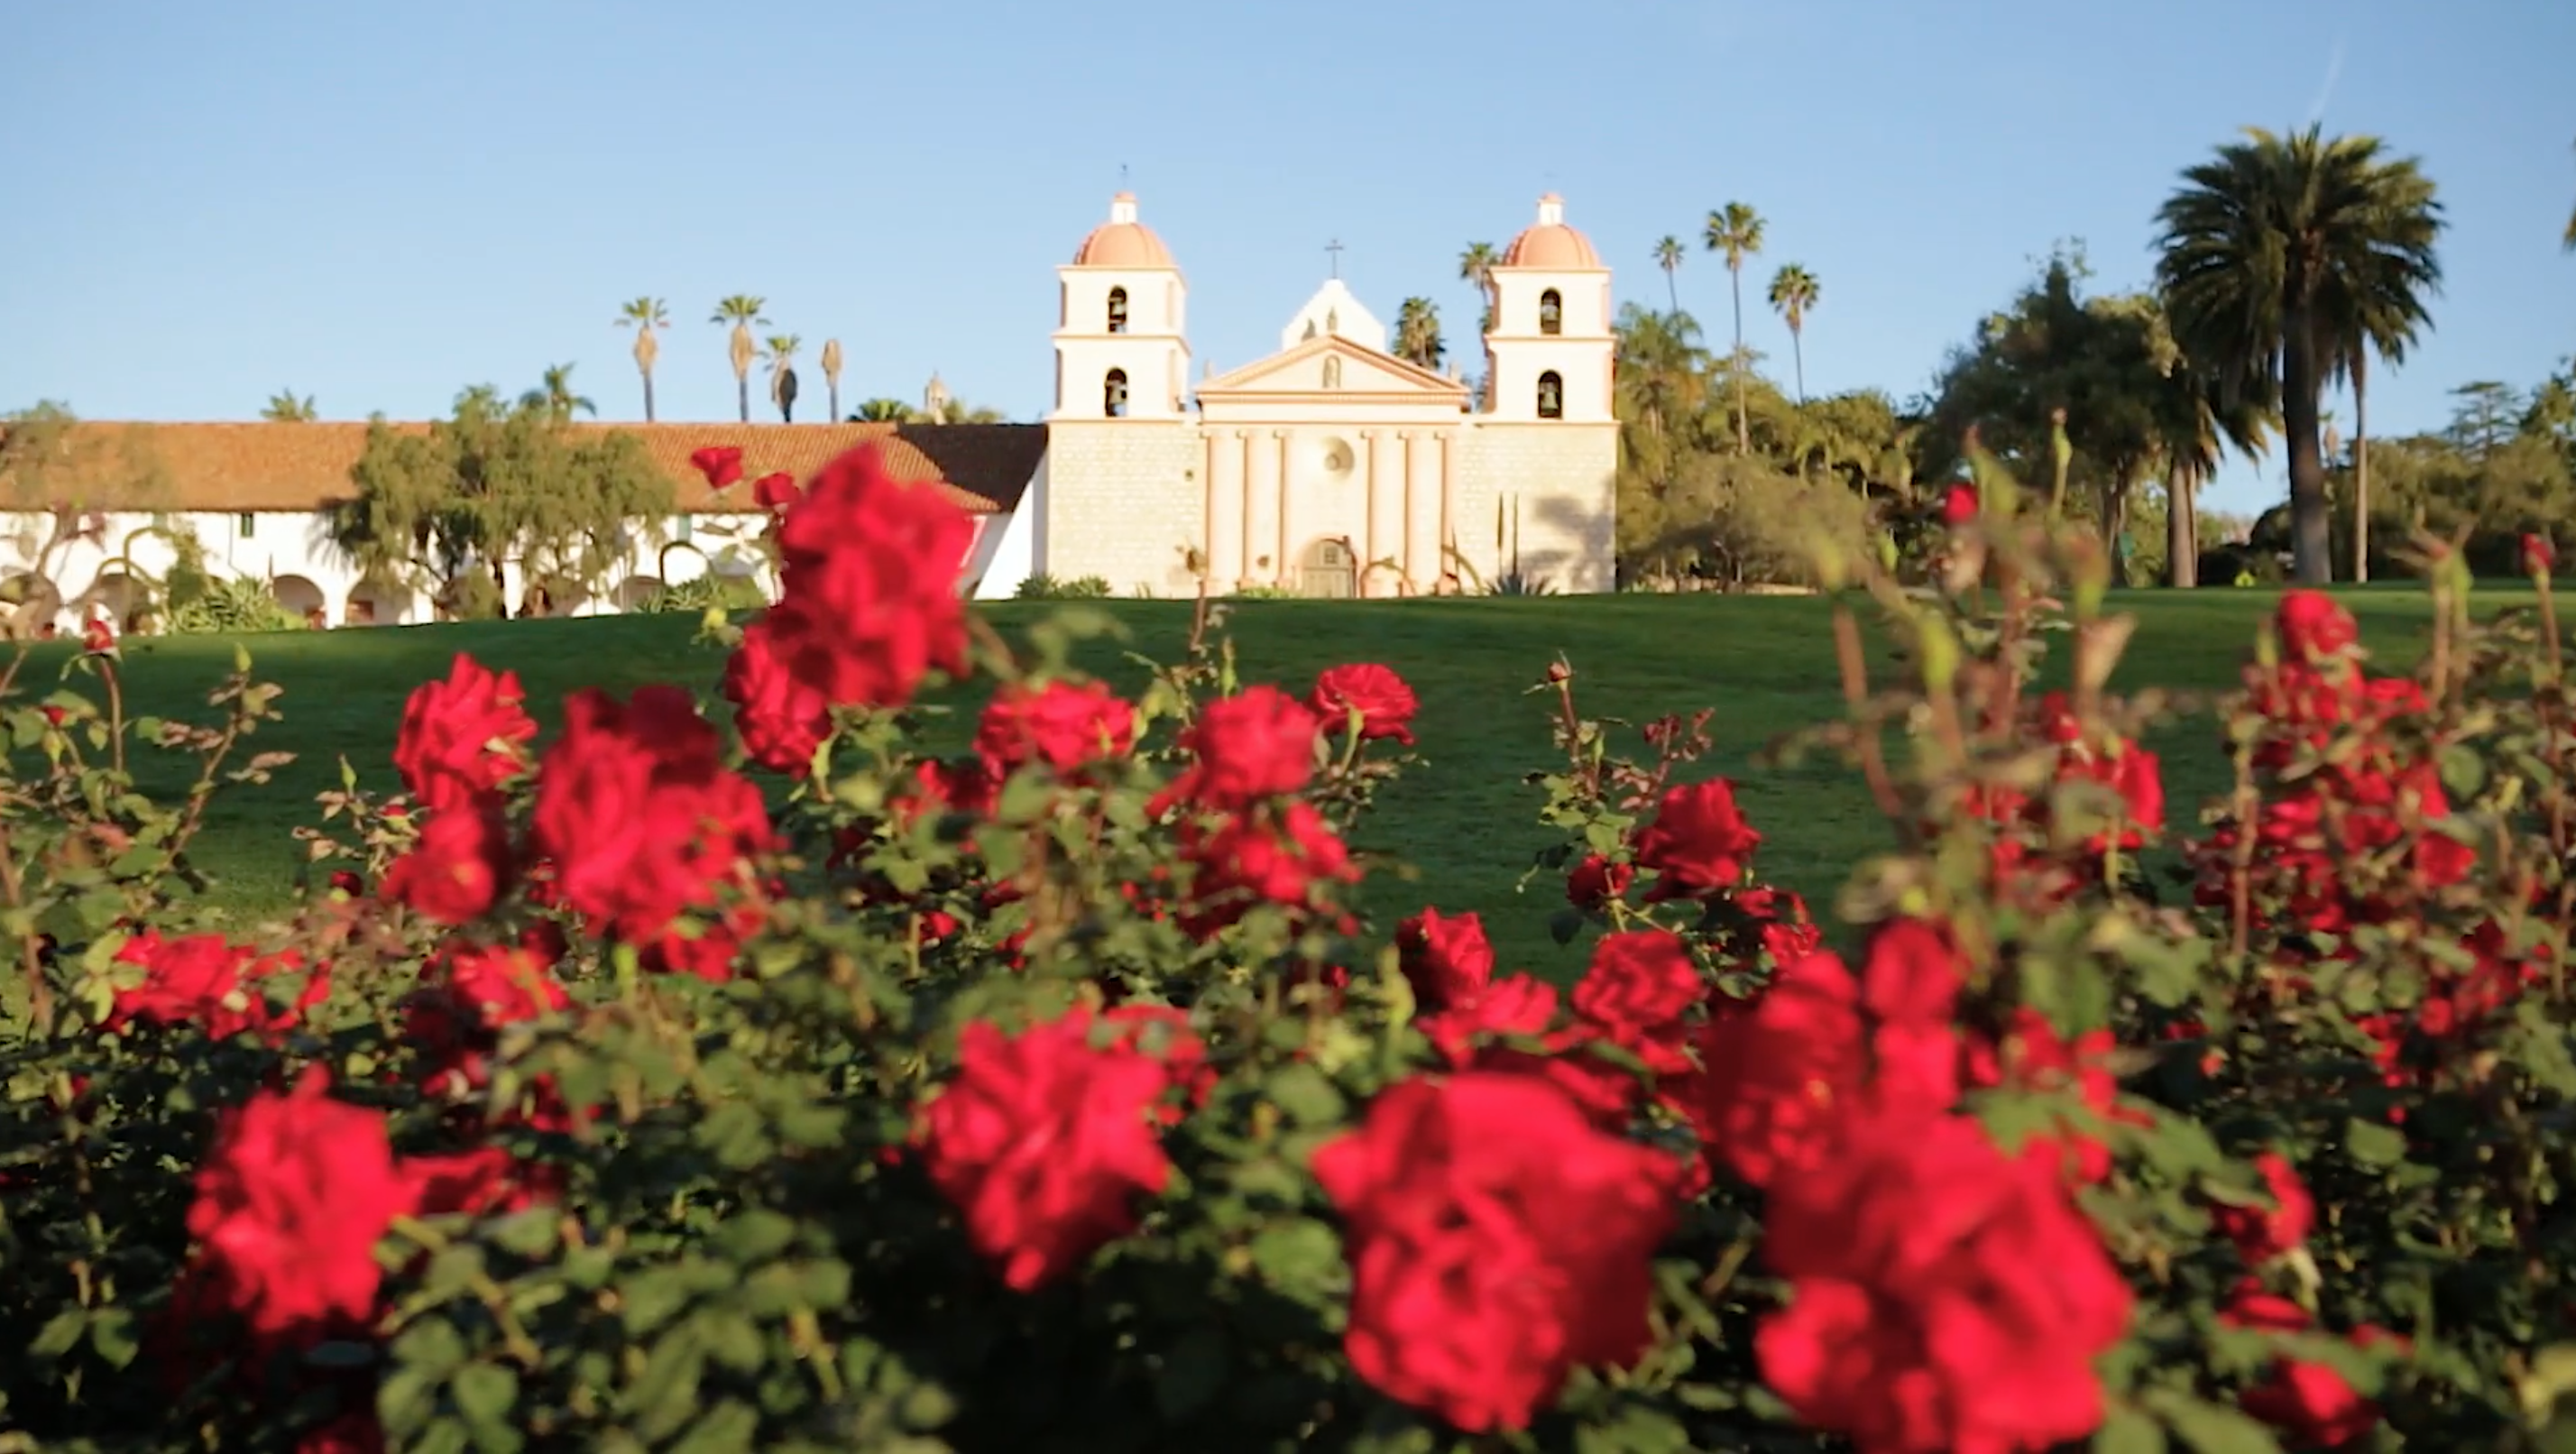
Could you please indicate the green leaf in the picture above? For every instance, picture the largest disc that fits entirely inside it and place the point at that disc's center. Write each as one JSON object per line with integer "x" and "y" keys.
{"x": 2372, "y": 1144}
{"x": 485, "y": 1393}
{"x": 62, "y": 1334}
{"x": 727, "y": 1427}
{"x": 530, "y": 1233}
{"x": 1299, "y": 1253}
{"x": 112, "y": 1336}
{"x": 755, "y": 1235}
{"x": 2129, "y": 1431}
{"x": 2213, "y": 1428}
{"x": 1303, "y": 1092}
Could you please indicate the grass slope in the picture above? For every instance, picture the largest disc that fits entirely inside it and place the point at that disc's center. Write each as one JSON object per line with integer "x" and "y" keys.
{"x": 1464, "y": 822}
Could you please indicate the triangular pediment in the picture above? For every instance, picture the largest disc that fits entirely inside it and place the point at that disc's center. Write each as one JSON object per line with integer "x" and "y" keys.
{"x": 1329, "y": 365}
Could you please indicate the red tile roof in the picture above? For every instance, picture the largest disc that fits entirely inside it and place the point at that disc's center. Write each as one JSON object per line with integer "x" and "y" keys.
{"x": 238, "y": 468}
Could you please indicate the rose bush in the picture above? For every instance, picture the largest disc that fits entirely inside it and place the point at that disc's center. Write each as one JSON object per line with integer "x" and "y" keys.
{"x": 749, "y": 1075}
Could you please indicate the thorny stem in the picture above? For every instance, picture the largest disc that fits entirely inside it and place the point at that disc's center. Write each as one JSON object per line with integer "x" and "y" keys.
{"x": 31, "y": 958}
{"x": 115, "y": 713}
{"x": 1854, "y": 664}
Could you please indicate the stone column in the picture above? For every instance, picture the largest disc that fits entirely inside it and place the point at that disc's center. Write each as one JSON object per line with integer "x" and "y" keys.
{"x": 1448, "y": 505}
{"x": 1207, "y": 507}
{"x": 1406, "y": 558}
{"x": 1368, "y": 521}
{"x": 1243, "y": 562}
{"x": 1281, "y": 435}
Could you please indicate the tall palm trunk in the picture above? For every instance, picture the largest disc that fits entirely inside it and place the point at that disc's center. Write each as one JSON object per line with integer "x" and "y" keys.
{"x": 2361, "y": 464}
{"x": 648, "y": 396}
{"x": 2182, "y": 543}
{"x": 1743, "y": 423}
{"x": 1798, "y": 352}
{"x": 1672, "y": 291}
{"x": 2311, "y": 526}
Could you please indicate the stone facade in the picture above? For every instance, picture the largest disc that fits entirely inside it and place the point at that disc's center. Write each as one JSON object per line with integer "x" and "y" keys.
{"x": 1331, "y": 468}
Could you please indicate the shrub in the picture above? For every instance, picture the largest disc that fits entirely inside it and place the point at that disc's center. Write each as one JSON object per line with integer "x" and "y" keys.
{"x": 1054, "y": 1094}
{"x": 710, "y": 592}
{"x": 1044, "y": 587}
{"x": 232, "y": 606}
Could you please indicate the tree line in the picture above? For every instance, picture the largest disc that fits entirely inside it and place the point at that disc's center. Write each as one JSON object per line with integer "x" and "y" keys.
{"x": 2287, "y": 265}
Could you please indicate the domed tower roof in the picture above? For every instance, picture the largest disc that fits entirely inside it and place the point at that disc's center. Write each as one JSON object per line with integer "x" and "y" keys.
{"x": 1549, "y": 243}
{"x": 1122, "y": 241}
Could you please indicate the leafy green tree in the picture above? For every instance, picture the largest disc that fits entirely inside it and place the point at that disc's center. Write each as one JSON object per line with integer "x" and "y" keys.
{"x": 883, "y": 411}
{"x": 1794, "y": 294}
{"x": 448, "y": 510}
{"x": 2275, "y": 253}
{"x": 743, "y": 311}
{"x": 1417, "y": 332}
{"x": 1736, "y": 231}
{"x": 647, "y": 317}
{"x": 284, "y": 407}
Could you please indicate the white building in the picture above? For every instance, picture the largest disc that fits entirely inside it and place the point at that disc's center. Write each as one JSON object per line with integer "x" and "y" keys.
{"x": 1330, "y": 468}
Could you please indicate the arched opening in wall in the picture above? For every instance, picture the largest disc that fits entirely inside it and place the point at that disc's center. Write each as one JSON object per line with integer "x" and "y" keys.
{"x": 121, "y": 599}
{"x": 1551, "y": 395}
{"x": 1118, "y": 310}
{"x": 1551, "y": 312}
{"x": 31, "y": 605}
{"x": 1328, "y": 571}
{"x": 637, "y": 592}
{"x": 376, "y": 603}
{"x": 1332, "y": 373}
{"x": 303, "y": 598}
{"x": 1113, "y": 394}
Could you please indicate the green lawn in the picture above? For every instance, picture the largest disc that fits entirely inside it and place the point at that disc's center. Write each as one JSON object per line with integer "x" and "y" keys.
{"x": 1465, "y": 820}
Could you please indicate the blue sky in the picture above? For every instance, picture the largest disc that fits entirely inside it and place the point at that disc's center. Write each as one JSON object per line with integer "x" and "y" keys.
{"x": 378, "y": 205}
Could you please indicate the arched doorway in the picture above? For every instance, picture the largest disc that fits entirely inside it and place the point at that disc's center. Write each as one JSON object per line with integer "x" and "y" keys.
{"x": 376, "y": 603}
{"x": 1328, "y": 571}
{"x": 303, "y": 598}
{"x": 637, "y": 592}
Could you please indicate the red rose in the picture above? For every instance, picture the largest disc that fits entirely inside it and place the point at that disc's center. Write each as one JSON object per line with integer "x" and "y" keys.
{"x": 720, "y": 463}
{"x": 1636, "y": 990}
{"x": 783, "y": 721}
{"x": 775, "y": 491}
{"x": 2310, "y": 1402}
{"x": 1255, "y": 745}
{"x": 1255, "y": 858}
{"x": 454, "y": 1018}
{"x": 1041, "y": 1142}
{"x": 1697, "y": 842}
{"x": 2263, "y": 1233}
{"x": 868, "y": 584}
{"x": 463, "y": 737}
{"x": 197, "y": 979}
{"x": 1382, "y": 701}
{"x": 457, "y": 869}
{"x": 1909, "y": 984}
{"x": 1496, "y": 1242}
{"x": 638, "y": 815}
{"x": 1163, "y": 1033}
{"x": 1444, "y": 959}
{"x": 291, "y": 1201}
{"x": 2031, "y": 1056}
{"x": 1596, "y": 881}
{"x": 98, "y": 638}
{"x": 1519, "y": 1004}
{"x": 2539, "y": 557}
{"x": 1942, "y": 1297}
{"x": 2314, "y": 626}
{"x": 1958, "y": 505}
{"x": 1062, "y": 724}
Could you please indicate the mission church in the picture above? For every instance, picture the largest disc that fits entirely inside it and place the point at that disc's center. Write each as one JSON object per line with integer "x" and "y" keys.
{"x": 1330, "y": 468}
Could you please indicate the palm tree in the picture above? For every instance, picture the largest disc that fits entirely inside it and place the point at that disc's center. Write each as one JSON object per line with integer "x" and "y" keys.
{"x": 1669, "y": 253}
{"x": 2368, "y": 325}
{"x": 285, "y": 408}
{"x": 1417, "y": 332}
{"x": 781, "y": 352}
{"x": 883, "y": 411}
{"x": 554, "y": 395}
{"x": 646, "y": 316}
{"x": 1795, "y": 293}
{"x": 1476, "y": 269}
{"x": 742, "y": 311}
{"x": 832, "y": 376}
{"x": 1736, "y": 230}
{"x": 2193, "y": 421}
{"x": 2273, "y": 251}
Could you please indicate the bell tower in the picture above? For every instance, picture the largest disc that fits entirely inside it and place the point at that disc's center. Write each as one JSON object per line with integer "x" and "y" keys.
{"x": 1120, "y": 347}
{"x": 1549, "y": 354}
